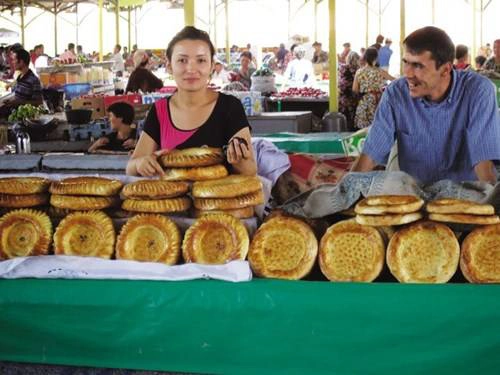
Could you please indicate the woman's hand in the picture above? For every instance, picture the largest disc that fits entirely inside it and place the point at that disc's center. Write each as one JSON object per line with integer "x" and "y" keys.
{"x": 148, "y": 165}
{"x": 98, "y": 144}
{"x": 129, "y": 143}
{"x": 237, "y": 150}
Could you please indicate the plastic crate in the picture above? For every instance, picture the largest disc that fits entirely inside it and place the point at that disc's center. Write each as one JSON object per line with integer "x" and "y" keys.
{"x": 74, "y": 90}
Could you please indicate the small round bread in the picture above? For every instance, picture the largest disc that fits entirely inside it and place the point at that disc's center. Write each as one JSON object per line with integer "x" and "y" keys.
{"x": 350, "y": 251}
{"x": 228, "y": 187}
{"x": 240, "y": 213}
{"x": 155, "y": 189}
{"x": 149, "y": 238}
{"x": 23, "y": 201}
{"x": 247, "y": 200}
{"x": 23, "y": 185}
{"x": 465, "y": 219}
{"x": 81, "y": 203}
{"x": 195, "y": 174}
{"x": 424, "y": 252}
{"x": 215, "y": 239}
{"x": 88, "y": 233}
{"x": 385, "y": 220}
{"x": 83, "y": 185}
{"x": 24, "y": 233}
{"x": 283, "y": 248}
{"x": 459, "y": 206}
{"x": 192, "y": 157}
{"x": 157, "y": 205}
{"x": 367, "y": 206}
{"x": 480, "y": 258}
{"x": 390, "y": 200}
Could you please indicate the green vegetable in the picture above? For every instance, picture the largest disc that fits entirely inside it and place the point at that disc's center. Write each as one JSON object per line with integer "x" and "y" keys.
{"x": 26, "y": 111}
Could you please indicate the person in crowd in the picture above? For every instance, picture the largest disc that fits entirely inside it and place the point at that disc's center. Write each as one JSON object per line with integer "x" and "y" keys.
{"x": 69, "y": 56}
{"x": 11, "y": 60}
{"x": 125, "y": 53}
{"x": 348, "y": 100}
{"x": 479, "y": 61}
{"x": 384, "y": 55}
{"x": 142, "y": 79}
{"x": 220, "y": 75}
{"x": 493, "y": 63}
{"x": 3, "y": 59}
{"x": 194, "y": 115}
{"x": 35, "y": 53}
{"x": 289, "y": 57}
{"x": 245, "y": 71}
{"x": 462, "y": 57}
{"x": 485, "y": 51}
{"x": 378, "y": 42}
{"x": 281, "y": 54}
{"x": 119, "y": 64}
{"x": 369, "y": 82}
{"x": 319, "y": 56}
{"x": 442, "y": 131}
{"x": 299, "y": 72}
{"x": 362, "y": 61}
{"x": 122, "y": 138}
{"x": 343, "y": 56}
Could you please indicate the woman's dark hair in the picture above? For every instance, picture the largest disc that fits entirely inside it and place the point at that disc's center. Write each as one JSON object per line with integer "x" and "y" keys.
{"x": 461, "y": 51}
{"x": 480, "y": 60}
{"x": 292, "y": 47}
{"x": 23, "y": 56}
{"x": 124, "y": 111}
{"x": 246, "y": 54}
{"x": 434, "y": 40}
{"x": 191, "y": 33}
{"x": 370, "y": 56}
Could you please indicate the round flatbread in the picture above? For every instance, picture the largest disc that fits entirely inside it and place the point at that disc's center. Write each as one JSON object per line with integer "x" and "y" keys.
{"x": 85, "y": 234}
{"x": 387, "y": 220}
{"x": 390, "y": 200}
{"x": 23, "y": 185}
{"x": 195, "y": 174}
{"x": 424, "y": 252}
{"x": 24, "y": 233}
{"x": 99, "y": 186}
{"x": 228, "y": 187}
{"x": 247, "y": 200}
{"x": 215, "y": 239}
{"x": 81, "y": 203}
{"x": 149, "y": 238}
{"x": 157, "y": 205}
{"x": 350, "y": 251}
{"x": 23, "y": 201}
{"x": 480, "y": 257}
{"x": 367, "y": 207}
{"x": 155, "y": 189}
{"x": 240, "y": 213}
{"x": 283, "y": 248}
{"x": 192, "y": 157}
{"x": 465, "y": 219}
{"x": 459, "y": 206}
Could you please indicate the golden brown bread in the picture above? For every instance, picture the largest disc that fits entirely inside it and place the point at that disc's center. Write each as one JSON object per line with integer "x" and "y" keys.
{"x": 155, "y": 189}
{"x": 149, "y": 238}
{"x": 88, "y": 233}
{"x": 215, "y": 239}
{"x": 388, "y": 200}
{"x": 465, "y": 219}
{"x": 228, "y": 187}
{"x": 86, "y": 185}
{"x": 158, "y": 205}
{"x": 195, "y": 174}
{"x": 423, "y": 252}
{"x": 192, "y": 157}
{"x": 387, "y": 220}
{"x": 82, "y": 203}
{"x": 350, "y": 251}
{"x": 23, "y": 201}
{"x": 459, "y": 206}
{"x": 23, "y": 185}
{"x": 368, "y": 207}
{"x": 247, "y": 200}
{"x": 480, "y": 258}
{"x": 283, "y": 248}
{"x": 24, "y": 233}
{"x": 240, "y": 213}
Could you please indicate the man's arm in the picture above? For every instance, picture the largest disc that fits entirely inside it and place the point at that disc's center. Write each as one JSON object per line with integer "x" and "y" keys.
{"x": 363, "y": 164}
{"x": 485, "y": 171}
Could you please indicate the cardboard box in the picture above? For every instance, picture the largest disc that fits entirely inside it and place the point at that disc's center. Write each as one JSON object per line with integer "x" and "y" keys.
{"x": 133, "y": 99}
{"x": 57, "y": 79}
{"x": 95, "y": 103}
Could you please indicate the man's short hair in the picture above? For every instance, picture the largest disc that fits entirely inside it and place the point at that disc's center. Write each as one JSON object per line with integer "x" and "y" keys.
{"x": 370, "y": 56}
{"x": 347, "y": 45}
{"x": 23, "y": 55}
{"x": 71, "y": 45}
{"x": 461, "y": 51}
{"x": 316, "y": 44}
{"x": 246, "y": 54}
{"x": 380, "y": 39}
{"x": 118, "y": 47}
{"x": 480, "y": 60}
{"x": 434, "y": 40}
{"x": 123, "y": 110}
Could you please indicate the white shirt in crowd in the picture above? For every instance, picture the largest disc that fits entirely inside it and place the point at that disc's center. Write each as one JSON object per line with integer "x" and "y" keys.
{"x": 119, "y": 65}
{"x": 299, "y": 73}
{"x": 220, "y": 78}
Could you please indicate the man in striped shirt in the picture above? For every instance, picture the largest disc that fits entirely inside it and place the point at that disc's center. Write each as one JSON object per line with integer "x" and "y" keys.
{"x": 445, "y": 121}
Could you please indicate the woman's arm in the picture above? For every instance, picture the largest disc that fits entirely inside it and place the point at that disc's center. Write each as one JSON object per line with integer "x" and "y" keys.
{"x": 144, "y": 160}
{"x": 98, "y": 144}
{"x": 355, "y": 84}
{"x": 386, "y": 75}
{"x": 240, "y": 156}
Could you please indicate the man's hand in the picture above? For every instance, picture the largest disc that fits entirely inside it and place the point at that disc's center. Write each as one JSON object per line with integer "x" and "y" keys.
{"x": 485, "y": 171}
{"x": 363, "y": 164}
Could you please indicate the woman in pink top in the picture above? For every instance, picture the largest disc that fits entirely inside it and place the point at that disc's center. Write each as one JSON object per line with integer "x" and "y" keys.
{"x": 193, "y": 116}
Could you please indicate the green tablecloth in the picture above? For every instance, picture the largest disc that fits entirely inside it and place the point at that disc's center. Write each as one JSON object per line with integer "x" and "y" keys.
{"x": 260, "y": 327}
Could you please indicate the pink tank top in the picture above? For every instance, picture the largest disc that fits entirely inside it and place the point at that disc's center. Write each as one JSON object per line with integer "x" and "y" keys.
{"x": 170, "y": 136}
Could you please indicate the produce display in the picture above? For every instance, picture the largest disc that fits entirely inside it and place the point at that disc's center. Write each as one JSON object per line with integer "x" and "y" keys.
{"x": 26, "y": 112}
{"x": 303, "y": 92}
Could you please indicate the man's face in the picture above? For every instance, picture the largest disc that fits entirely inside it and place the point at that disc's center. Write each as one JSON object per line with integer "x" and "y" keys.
{"x": 496, "y": 48}
{"x": 421, "y": 74}
{"x": 18, "y": 62}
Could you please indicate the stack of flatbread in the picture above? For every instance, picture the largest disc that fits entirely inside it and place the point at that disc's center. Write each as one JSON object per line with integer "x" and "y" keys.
{"x": 236, "y": 195}
{"x": 383, "y": 210}
{"x": 193, "y": 164}
{"x": 156, "y": 196}
{"x": 22, "y": 192}
{"x": 461, "y": 211}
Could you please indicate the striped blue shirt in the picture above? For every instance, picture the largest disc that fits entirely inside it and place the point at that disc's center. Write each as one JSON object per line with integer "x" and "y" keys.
{"x": 442, "y": 140}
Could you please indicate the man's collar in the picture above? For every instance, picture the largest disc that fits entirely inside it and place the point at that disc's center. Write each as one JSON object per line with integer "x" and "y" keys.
{"x": 450, "y": 97}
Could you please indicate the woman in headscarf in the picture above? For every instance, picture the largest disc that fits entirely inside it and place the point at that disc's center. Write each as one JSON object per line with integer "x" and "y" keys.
{"x": 142, "y": 78}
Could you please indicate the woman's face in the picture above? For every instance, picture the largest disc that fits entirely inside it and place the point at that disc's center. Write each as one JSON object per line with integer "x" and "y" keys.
{"x": 115, "y": 122}
{"x": 191, "y": 64}
{"x": 245, "y": 62}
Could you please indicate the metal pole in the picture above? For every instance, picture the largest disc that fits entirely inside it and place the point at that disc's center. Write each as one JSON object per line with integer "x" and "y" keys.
{"x": 433, "y": 12}
{"x": 366, "y": 23}
{"x": 135, "y": 24}
{"x": 402, "y": 31}
{"x": 55, "y": 28}
{"x": 215, "y": 23}
{"x": 289, "y": 19}
{"x": 22, "y": 24}
{"x": 77, "y": 24}
{"x": 228, "y": 51}
{"x": 129, "y": 29}
{"x": 379, "y": 17}
{"x": 315, "y": 20}
{"x": 117, "y": 21}
{"x": 474, "y": 28}
{"x": 189, "y": 12}
{"x": 100, "y": 29}
{"x": 332, "y": 51}
{"x": 481, "y": 26}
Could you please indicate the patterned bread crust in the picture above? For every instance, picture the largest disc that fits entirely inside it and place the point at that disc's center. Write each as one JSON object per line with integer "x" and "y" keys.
{"x": 149, "y": 238}
{"x": 247, "y": 200}
{"x": 423, "y": 252}
{"x": 283, "y": 248}
{"x": 351, "y": 252}
{"x": 99, "y": 186}
{"x": 228, "y": 187}
{"x": 390, "y": 200}
{"x": 480, "y": 256}
{"x": 465, "y": 219}
{"x": 459, "y": 206}
{"x": 195, "y": 174}
{"x": 240, "y": 213}
{"x": 215, "y": 239}
{"x": 80, "y": 203}
{"x": 158, "y": 205}
{"x": 192, "y": 157}
{"x": 155, "y": 189}
{"x": 385, "y": 220}
{"x": 23, "y": 185}
{"x": 371, "y": 209}
{"x": 88, "y": 233}
{"x": 24, "y": 233}
{"x": 22, "y": 201}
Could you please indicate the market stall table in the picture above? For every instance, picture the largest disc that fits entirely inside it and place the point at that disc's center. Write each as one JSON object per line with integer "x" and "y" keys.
{"x": 274, "y": 122}
{"x": 318, "y": 106}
